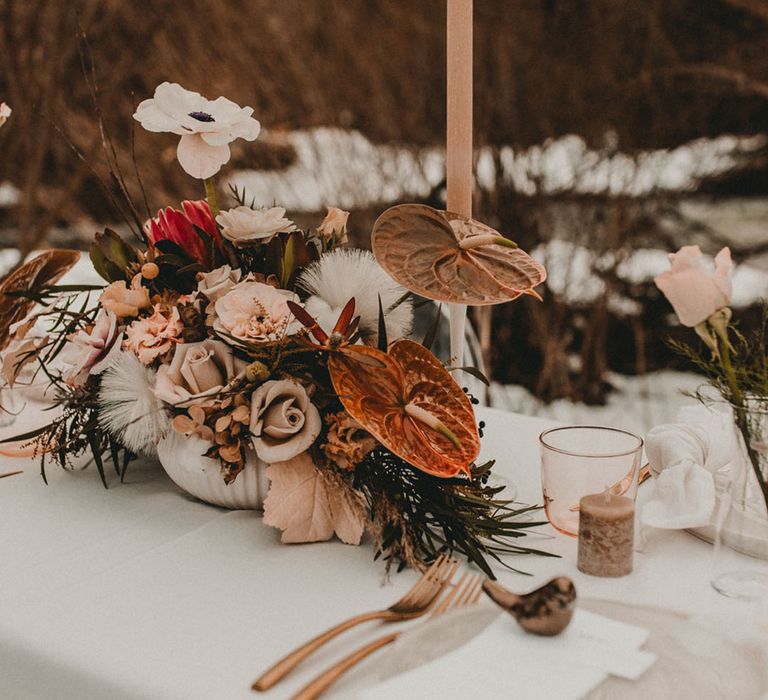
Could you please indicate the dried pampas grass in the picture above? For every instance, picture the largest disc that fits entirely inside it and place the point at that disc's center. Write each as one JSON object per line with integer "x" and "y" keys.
{"x": 128, "y": 406}
{"x": 342, "y": 274}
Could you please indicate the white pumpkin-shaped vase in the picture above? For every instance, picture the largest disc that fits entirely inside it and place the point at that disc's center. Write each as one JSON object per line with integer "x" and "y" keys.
{"x": 184, "y": 461}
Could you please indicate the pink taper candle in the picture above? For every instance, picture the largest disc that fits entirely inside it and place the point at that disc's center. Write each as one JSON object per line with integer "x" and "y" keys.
{"x": 459, "y": 141}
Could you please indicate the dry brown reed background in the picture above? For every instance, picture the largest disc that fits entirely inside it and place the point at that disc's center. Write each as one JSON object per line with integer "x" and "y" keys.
{"x": 655, "y": 73}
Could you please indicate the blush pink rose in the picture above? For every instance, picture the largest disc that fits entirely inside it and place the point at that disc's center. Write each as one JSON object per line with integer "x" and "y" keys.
{"x": 693, "y": 288}
{"x": 254, "y": 312}
{"x": 150, "y": 337}
{"x": 218, "y": 282}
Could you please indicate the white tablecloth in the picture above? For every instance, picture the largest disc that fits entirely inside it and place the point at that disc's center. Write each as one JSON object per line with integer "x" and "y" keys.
{"x": 139, "y": 592}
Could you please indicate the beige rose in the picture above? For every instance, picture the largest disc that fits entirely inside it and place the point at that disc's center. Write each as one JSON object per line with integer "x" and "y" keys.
{"x": 334, "y": 226}
{"x": 125, "y": 302}
{"x": 254, "y": 312}
{"x": 218, "y": 282}
{"x": 694, "y": 291}
{"x": 197, "y": 371}
{"x": 284, "y": 423}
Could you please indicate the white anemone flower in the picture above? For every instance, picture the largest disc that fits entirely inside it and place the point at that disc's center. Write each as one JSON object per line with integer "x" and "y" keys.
{"x": 206, "y": 127}
{"x": 5, "y": 112}
{"x": 243, "y": 225}
{"x": 344, "y": 273}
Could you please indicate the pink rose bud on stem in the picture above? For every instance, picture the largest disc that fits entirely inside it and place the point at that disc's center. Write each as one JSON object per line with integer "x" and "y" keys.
{"x": 701, "y": 298}
{"x": 695, "y": 291}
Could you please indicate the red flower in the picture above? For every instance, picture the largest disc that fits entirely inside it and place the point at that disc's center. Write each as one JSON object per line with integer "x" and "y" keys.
{"x": 179, "y": 227}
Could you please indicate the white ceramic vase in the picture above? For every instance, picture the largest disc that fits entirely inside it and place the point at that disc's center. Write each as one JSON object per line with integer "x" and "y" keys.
{"x": 184, "y": 461}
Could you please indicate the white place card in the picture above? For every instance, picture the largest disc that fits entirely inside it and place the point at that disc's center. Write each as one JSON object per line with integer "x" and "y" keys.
{"x": 514, "y": 663}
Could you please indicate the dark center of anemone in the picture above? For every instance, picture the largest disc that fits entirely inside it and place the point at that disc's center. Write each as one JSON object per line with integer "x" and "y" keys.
{"x": 202, "y": 116}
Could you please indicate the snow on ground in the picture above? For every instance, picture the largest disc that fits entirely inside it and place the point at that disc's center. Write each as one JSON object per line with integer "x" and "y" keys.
{"x": 637, "y": 403}
{"x": 344, "y": 168}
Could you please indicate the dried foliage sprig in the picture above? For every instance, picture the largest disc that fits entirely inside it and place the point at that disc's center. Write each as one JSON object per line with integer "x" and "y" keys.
{"x": 416, "y": 516}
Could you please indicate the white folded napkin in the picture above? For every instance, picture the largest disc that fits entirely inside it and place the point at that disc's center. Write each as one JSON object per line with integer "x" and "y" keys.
{"x": 504, "y": 661}
{"x": 688, "y": 459}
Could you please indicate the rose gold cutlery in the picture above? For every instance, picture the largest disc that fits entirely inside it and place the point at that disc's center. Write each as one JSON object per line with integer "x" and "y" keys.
{"x": 415, "y": 603}
{"x": 465, "y": 593}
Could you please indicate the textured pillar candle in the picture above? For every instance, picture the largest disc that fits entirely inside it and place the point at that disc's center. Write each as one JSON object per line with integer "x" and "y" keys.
{"x": 606, "y": 534}
{"x": 459, "y": 137}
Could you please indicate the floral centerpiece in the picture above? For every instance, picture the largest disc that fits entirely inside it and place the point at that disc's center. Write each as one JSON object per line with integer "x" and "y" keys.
{"x": 229, "y": 342}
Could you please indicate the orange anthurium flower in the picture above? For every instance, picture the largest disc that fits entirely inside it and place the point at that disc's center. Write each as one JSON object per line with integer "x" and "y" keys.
{"x": 409, "y": 402}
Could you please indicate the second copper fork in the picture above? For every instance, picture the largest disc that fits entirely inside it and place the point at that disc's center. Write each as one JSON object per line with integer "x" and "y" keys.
{"x": 466, "y": 592}
{"x": 415, "y": 603}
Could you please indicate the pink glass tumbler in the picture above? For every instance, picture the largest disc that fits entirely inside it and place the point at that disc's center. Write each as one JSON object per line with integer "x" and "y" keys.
{"x": 580, "y": 460}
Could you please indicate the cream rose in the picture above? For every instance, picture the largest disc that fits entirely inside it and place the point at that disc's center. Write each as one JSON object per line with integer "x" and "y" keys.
{"x": 243, "y": 225}
{"x": 125, "y": 302}
{"x": 284, "y": 423}
{"x": 197, "y": 371}
{"x": 218, "y": 282}
{"x": 334, "y": 226}
{"x": 254, "y": 312}
{"x": 694, "y": 291}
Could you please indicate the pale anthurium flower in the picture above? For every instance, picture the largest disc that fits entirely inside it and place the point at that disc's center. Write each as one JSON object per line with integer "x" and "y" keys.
{"x": 284, "y": 423}
{"x": 243, "y": 225}
{"x": 5, "y": 112}
{"x": 90, "y": 351}
{"x": 334, "y": 226}
{"x": 206, "y": 127}
{"x": 197, "y": 372}
{"x": 154, "y": 335}
{"x": 216, "y": 283}
{"x": 254, "y": 312}
{"x": 342, "y": 274}
{"x": 695, "y": 291}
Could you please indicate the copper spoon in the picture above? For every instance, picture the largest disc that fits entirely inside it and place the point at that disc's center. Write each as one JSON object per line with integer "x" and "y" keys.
{"x": 546, "y": 611}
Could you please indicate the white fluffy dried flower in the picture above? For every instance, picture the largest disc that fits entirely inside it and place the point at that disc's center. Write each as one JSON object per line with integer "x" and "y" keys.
{"x": 128, "y": 406}
{"x": 342, "y": 274}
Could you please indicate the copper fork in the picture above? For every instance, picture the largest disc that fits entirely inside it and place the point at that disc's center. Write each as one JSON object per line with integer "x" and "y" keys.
{"x": 414, "y": 603}
{"x": 466, "y": 592}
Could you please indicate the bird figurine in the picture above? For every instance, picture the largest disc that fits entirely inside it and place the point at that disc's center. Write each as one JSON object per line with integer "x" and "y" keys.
{"x": 545, "y": 611}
